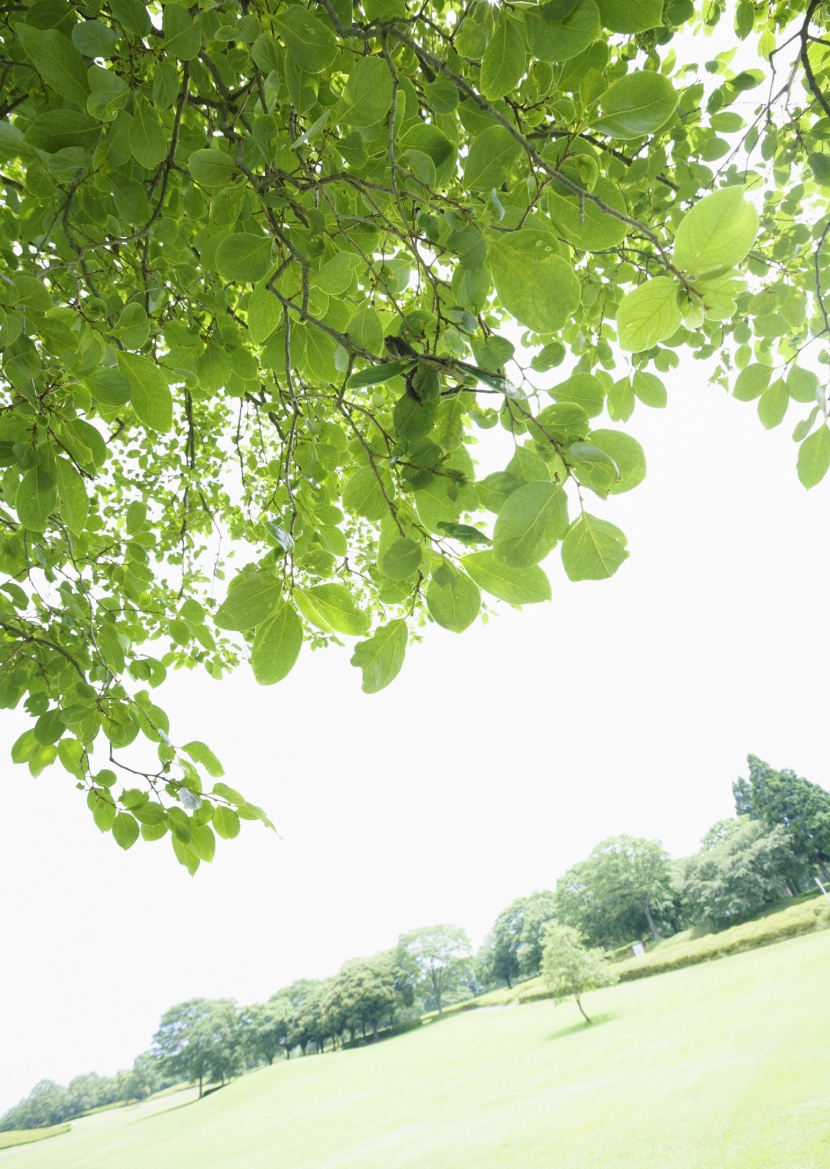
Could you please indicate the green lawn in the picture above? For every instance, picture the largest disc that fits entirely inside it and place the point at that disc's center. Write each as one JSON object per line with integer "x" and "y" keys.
{"x": 717, "y": 1066}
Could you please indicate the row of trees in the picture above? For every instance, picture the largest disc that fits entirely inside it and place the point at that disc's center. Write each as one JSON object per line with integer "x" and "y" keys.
{"x": 208, "y": 1041}
{"x": 626, "y": 888}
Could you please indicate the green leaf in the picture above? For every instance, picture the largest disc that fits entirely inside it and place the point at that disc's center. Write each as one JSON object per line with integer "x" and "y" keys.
{"x": 125, "y": 830}
{"x": 363, "y": 495}
{"x": 36, "y": 499}
{"x": 72, "y": 497}
{"x": 182, "y": 37}
{"x": 649, "y": 389}
{"x": 132, "y": 16}
{"x": 492, "y": 153}
{"x": 203, "y": 842}
{"x": 227, "y": 793}
{"x": 463, "y": 533}
{"x": 504, "y": 60}
{"x": 381, "y": 656}
{"x": 184, "y": 854}
{"x": 149, "y": 391}
{"x": 454, "y": 606}
{"x": 585, "y": 225}
{"x": 310, "y": 44}
{"x": 249, "y": 602}
{"x": 212, "y": 168}
{"x": 331, "y": 607}
{"x": 535, "y": 285}
{"x": 135, "y": 516}
{"x": 59, "y": 129}
{"x": 94, "y": 39}
{"x": 636, "y": 105}
{"x": 200, "y": 753}
{"x": 751, "y": 382}
{"x": 226, "y": 822}
{"x": 277, "y": 646}
{"x": 264, "y": 313}
{"x": 772, "y": 405}
{"x": 556, "y": 36}
{"x": 628, "y": 456}
{"x": 530, "y": 523}
{"x": 630, "y": 16}
{"x": 814, "y": 457}
{"x": 621, "y": 400}
{"x": 584, "y": 390}
{"x": 367, "y": 96}
{"x": 244, "y": 256}
{"x": 102, "y": 807}
{"x": 517, "y": 586}
{"x": 801, "y": 385}
{"x": 401, "y": 559}
{"x": 57, "y": 61}
{"x": 593, "y": 549}
{"x": 376, "y": 375}
{"x": 148, "y": 141}
{"x": 648, "y": 314}
{"x": 716, "y": 234}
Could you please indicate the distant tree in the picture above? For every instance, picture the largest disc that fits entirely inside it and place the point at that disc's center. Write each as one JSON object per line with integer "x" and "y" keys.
{"x": 46, "y": 1104}
{"x": 622, "y": 889}
{"x": 569, "y": 969}
{"x": 200, "y": 1041}
{"x": 265, "y": 1028}
{"x": 782, "y": 797}
{"x": 515, "y": 941}
{"x": 364, "y": 993}
{"x": 742, "y": 872}
{"x": 312, "y": 1024}
{"x": 436, "y": 954}
{"x": 145, "y": 1076}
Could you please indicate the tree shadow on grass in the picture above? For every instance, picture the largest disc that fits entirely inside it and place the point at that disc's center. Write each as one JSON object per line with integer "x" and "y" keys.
{"x": 582, "y": 1027}
{"x": 176, "y": 1107}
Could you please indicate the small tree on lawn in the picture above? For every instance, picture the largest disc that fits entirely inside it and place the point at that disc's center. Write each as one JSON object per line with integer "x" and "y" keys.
{"x": 569, "y": 969}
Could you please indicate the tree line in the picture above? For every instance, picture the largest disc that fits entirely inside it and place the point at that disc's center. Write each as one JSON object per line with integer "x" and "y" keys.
{"x": 627, "y": 889}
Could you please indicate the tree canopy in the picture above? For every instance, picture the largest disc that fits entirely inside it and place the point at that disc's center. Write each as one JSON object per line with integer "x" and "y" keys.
{"x": 270, "y": 270}
{"x": 569, "y": 969}
{"x": 782, "y": 798}
{"x": 620, "y": 891}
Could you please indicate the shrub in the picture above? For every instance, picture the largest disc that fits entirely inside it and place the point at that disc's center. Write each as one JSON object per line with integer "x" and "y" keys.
{"x": 789, "y": 923}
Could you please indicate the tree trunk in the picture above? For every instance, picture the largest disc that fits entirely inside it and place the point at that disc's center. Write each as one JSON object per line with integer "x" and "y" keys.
{"x": 651, "y": 925}
{"x": 823, "y": 868}
{"x": 509, "y": 983}
{"x": 200, "y": 1087}
{"x": 579, "y": 1004}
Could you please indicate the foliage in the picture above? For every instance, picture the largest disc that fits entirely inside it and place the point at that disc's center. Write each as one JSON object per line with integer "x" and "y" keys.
{"x": 784, "y": 798}
{"x": 742, "y": 872}
{"x": 618, "y": 892}
{"x": 798, "y": 919}
{"x": 569, "y": 969}
{"x": 200, "y": 1041}
{"x": 514, "y": 944}
{"x": 266, "y": 1027}
{"x": 436, "y": 956}
{"x": 363, "y": 995}
{"x": 270, "y": 270}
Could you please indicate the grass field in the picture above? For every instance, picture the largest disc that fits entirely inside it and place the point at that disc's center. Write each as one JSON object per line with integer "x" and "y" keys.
{"x": 27, "y": 1136}
{"x": 717, "y": 1066}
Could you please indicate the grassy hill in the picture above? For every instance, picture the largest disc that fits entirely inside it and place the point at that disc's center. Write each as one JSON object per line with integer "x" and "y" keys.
{"x": 718, "y": 1065}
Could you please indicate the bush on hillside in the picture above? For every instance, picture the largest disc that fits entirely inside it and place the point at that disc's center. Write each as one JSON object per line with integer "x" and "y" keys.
{"x": 800, "y": 919}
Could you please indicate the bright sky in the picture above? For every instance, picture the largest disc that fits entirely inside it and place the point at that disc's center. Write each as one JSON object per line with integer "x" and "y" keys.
{"x": 496, "y": 760}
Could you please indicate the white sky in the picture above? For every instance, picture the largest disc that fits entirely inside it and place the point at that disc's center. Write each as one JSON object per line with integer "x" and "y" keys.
{"x": 497, "y": 759}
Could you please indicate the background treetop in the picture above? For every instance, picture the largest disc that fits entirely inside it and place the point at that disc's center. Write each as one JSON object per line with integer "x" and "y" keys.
{"x": 271, "y": 270}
